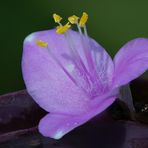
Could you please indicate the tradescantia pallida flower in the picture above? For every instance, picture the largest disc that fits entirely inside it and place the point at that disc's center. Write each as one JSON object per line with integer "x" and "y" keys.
{"x": 72, "y": 77}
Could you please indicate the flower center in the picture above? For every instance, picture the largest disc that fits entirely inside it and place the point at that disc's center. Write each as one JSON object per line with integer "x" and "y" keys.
{"x": 85, "y": 77}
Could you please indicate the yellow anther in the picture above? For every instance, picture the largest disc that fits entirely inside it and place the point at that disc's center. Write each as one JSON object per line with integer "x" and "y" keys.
{"x": 42, "y": 43}
{"x": 73, "y": 19}
{"x": 57, "y": 18}
{"x": 63, "y": 29}
{"x": 83, "y": 19}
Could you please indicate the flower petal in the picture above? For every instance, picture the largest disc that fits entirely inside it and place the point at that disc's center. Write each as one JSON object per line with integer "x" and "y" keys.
{"x": 57, "y": 125}
{"x": 104, "y": 65}
{"x": 48, "y": 83}
{"x": 131, "y": 61}
{"x": 45, "y": 80}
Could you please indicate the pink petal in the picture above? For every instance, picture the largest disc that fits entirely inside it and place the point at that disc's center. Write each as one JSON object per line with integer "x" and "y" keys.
{"x": 48, "y": 84}
{"x": 57, "y": 125}
{"x": 131, "y": 61}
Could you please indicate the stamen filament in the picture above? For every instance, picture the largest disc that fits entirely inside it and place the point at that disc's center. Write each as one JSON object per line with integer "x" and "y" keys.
{"x": 88, "y": 55}
{"x": 85, "y": 31}
{"x": 79, "y": 28}
{"x": 90, "y": 62}
{"x": 76, "y": 58}
{"x": 90, "y": 75}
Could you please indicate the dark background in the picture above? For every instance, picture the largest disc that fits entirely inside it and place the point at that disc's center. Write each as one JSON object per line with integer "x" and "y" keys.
{"x": 111, "y": 23}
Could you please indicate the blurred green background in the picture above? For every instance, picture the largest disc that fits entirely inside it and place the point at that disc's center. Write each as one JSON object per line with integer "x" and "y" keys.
{"x": 111, "y": 23}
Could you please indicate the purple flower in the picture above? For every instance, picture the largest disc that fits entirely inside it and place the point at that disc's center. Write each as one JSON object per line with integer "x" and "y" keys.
{"x": 73, "y": 78}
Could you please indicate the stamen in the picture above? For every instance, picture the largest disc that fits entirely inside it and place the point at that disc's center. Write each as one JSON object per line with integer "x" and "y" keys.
{"x": 63, "y": 29}
{"x": 88, "y": 55}
{"x": 85, "y": 31}
{"x": 77, "y": 59}
{"x": 80, "y": 65}
{"x": 87, "y": 52}
{"x": 57, "y": 18}
{"x": 83, "y": 19}
{"x": 42, "y": 43}
{"x": 73, "y": 19}
{"x": 86, "y": 48}
{"x": 79, "y": 28}
{"x": 88, "y": 75}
